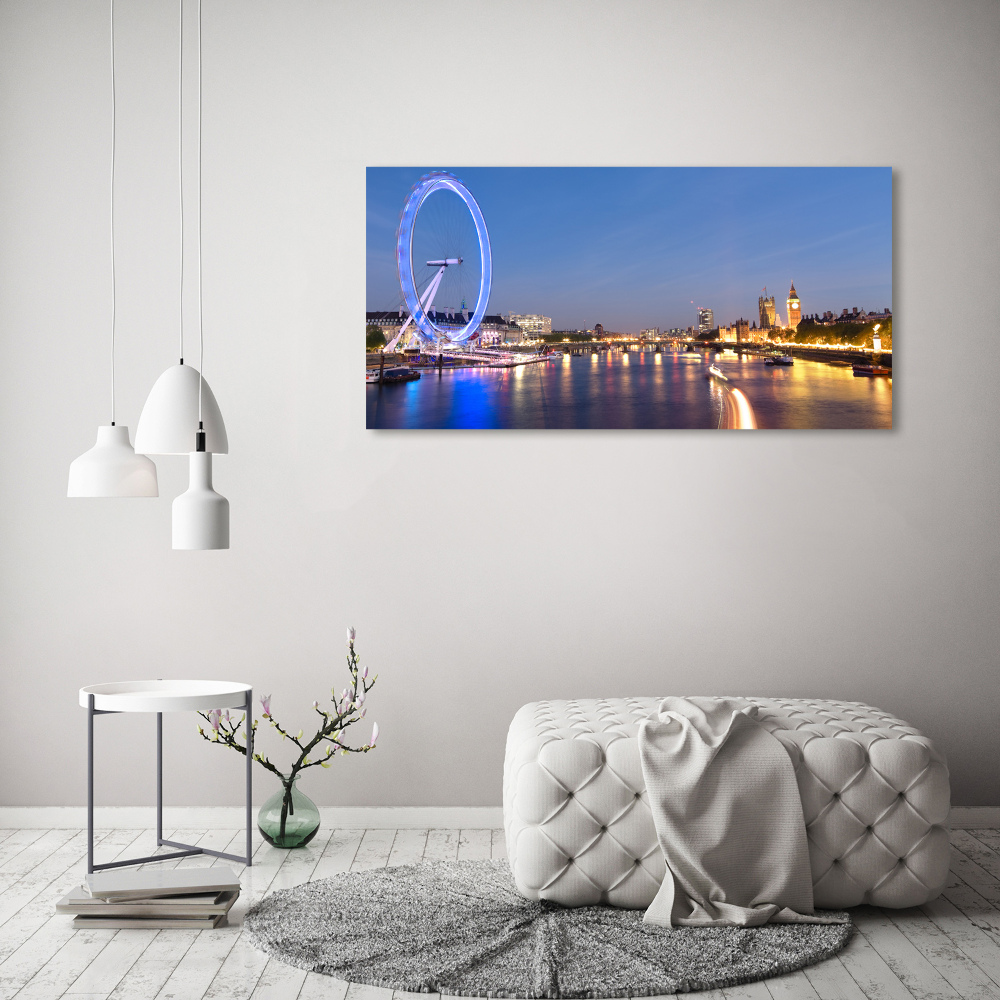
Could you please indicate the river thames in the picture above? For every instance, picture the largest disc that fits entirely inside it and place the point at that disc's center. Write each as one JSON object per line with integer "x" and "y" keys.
{"x": 633, "y": 390}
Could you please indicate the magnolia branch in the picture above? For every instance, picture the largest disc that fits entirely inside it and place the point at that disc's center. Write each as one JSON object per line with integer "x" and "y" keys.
{"x": 349, "y": 709}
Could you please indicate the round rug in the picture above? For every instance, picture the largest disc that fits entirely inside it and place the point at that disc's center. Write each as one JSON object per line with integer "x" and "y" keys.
{"x": 461, "y": 927}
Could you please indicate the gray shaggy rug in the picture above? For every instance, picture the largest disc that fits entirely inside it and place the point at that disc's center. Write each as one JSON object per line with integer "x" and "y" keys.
{"x": 461, "y": 927}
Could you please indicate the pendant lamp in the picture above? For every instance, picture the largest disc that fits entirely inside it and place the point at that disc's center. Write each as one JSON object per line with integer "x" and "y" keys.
{"x": 200, "y": 515}
{"x": 111, "y": 468}
{"x": 169, "y": 421}
{"x": 181, "y": 415}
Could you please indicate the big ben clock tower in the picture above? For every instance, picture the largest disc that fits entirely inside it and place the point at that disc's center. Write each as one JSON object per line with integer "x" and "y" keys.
{"x": 794, "y": 308}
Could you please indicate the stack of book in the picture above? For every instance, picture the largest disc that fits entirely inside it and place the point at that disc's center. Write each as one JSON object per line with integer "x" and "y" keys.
{"x": 175, "y": 897}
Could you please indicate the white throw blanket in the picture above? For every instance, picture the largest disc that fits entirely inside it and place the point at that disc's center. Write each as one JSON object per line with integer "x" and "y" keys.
{"x": 728, "y": 818}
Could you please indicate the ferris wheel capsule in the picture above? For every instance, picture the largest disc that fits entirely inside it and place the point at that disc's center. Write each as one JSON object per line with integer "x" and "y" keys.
{"x": 431, "y": 330}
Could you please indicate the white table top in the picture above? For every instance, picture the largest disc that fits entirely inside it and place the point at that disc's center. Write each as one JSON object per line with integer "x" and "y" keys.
{"x": 165, "y": 695}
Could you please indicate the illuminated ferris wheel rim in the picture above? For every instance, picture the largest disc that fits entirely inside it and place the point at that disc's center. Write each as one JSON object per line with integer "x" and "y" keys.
{"x": 440, "y": 180}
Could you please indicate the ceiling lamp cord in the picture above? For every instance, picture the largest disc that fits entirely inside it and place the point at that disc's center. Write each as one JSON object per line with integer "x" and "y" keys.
{"x": 180, "y": 164}
{"x": 114, "y": 131}
{"x": 200, "y": 439}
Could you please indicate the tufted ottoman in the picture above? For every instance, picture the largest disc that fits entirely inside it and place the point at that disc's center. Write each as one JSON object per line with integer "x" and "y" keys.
{"x": 579, "y": 831}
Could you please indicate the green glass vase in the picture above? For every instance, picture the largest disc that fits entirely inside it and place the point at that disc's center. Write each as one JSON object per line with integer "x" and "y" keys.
{"x": 289, "y": 818}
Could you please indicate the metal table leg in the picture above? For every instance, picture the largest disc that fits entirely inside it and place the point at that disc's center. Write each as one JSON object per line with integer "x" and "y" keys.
{"x": 90, "y": 784}
{"x": 248, "y": 730}
{"x": 185, "y": 850}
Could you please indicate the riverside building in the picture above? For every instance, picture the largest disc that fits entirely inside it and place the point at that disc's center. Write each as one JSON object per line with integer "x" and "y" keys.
{"x": 531, "y": 325}
{"x": 765, "y": 306}
{"x": 492, "y": 330}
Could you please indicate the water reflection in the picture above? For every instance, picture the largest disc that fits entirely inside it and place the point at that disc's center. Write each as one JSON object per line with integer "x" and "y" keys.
{"x": 617, "y": 391}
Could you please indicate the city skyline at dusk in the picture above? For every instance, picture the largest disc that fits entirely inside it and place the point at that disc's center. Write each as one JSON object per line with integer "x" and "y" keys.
{"x": 632, "y": 248}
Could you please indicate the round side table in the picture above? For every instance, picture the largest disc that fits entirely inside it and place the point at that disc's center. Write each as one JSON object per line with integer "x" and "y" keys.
{"x": 161, "y": 696}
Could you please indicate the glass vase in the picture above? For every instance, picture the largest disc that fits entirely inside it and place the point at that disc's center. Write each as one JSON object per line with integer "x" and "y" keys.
{"x": 289, "y": 818}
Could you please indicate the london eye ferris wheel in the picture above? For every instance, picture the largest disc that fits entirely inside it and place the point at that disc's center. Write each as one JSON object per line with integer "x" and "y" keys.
{"x": 444, "y": 261}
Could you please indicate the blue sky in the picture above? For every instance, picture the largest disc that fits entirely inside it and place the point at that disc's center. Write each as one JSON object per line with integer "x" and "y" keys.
{"x": 639, "y": 247}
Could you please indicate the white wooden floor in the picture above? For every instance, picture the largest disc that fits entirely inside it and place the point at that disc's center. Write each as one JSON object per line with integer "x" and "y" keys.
{"x": 949, "y": 948}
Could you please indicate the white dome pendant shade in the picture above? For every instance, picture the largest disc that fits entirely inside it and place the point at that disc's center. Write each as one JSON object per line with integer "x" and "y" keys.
{"x": 200, "y": 515}
{"x": 111, "y": 468}
{"x": 169, "y": 420}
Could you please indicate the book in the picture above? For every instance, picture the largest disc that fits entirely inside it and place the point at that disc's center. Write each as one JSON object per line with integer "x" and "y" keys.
{"x": 150, "y": 883}
{"x": 194, "y": 923}
{"x": 81, "y": 903}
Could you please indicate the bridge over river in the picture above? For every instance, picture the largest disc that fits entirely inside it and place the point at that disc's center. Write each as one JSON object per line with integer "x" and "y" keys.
{"x": 846, "y": 355}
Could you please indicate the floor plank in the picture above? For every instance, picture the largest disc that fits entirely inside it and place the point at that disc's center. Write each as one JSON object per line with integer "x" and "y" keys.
{"x": 67, "y": 964}
{"x": 358, "y": 991}
{"x": 240, "y": 973}
{"x": 748, "y": 991}
{"x": 977, "y": 851}
{"x": 870, "y": 970}
{"x": 475, "y": 845}
{"x": 961, "y": 971}
{"x": 499, "y": 845}
{"x": 978, "y": 910}
{"x": 832, "y": 981}
{"x": 912, "y": 969}
{"x": 31, "y": 933}
{"x": 407, "y": 847}
{"x": 279, "y": 982}
{"x": 966, "y": 934}
{"x": 193, "y": 974}
{"x": 106, "y": 971}
{"x": 793, "y": 986}
{"x": 374, "y": 850}
{"x": 442, "y": 845}
{"x": 339, "y": 853}
{"x": 974, "y": 875}
{"x": 153, "y": 967}
{"x": 32, "y": 855}
{"x": 70, "y": 857}
{"x": 17, "y": 842}
{"x": 991, "y": 838}
{"x": 317, "y": 987}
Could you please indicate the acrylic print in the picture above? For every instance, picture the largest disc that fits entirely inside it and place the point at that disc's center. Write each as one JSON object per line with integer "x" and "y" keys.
{"x": 746, "y": 298}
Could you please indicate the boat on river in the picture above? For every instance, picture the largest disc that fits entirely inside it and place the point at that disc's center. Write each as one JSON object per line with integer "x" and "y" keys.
{"x": 872, "y": 371}
{"x": 389, "y": 375}
{"x": 781, "y": 359}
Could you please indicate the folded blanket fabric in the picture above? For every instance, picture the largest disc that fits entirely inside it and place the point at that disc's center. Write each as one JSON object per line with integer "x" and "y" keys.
{"x": 728, "y": 817}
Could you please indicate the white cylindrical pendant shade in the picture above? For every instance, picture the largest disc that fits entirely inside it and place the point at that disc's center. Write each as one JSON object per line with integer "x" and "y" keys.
{"x": 200, "y": 515}
{"x": 169, "y": 420}
{"x": 111, "y": 468}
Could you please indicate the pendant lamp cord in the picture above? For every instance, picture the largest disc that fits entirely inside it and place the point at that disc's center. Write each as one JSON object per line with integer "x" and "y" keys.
{"x": 201, "y": 331}
{"x": 180, "y": 162}
{"x": 113, "y": 134}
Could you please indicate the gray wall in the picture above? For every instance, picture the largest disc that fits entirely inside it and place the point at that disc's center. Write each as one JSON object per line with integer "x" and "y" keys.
{"x": 849, "y": 565}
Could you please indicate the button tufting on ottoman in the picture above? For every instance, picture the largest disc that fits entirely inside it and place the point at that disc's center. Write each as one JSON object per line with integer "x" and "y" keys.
{"x": 579, "y": 831}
